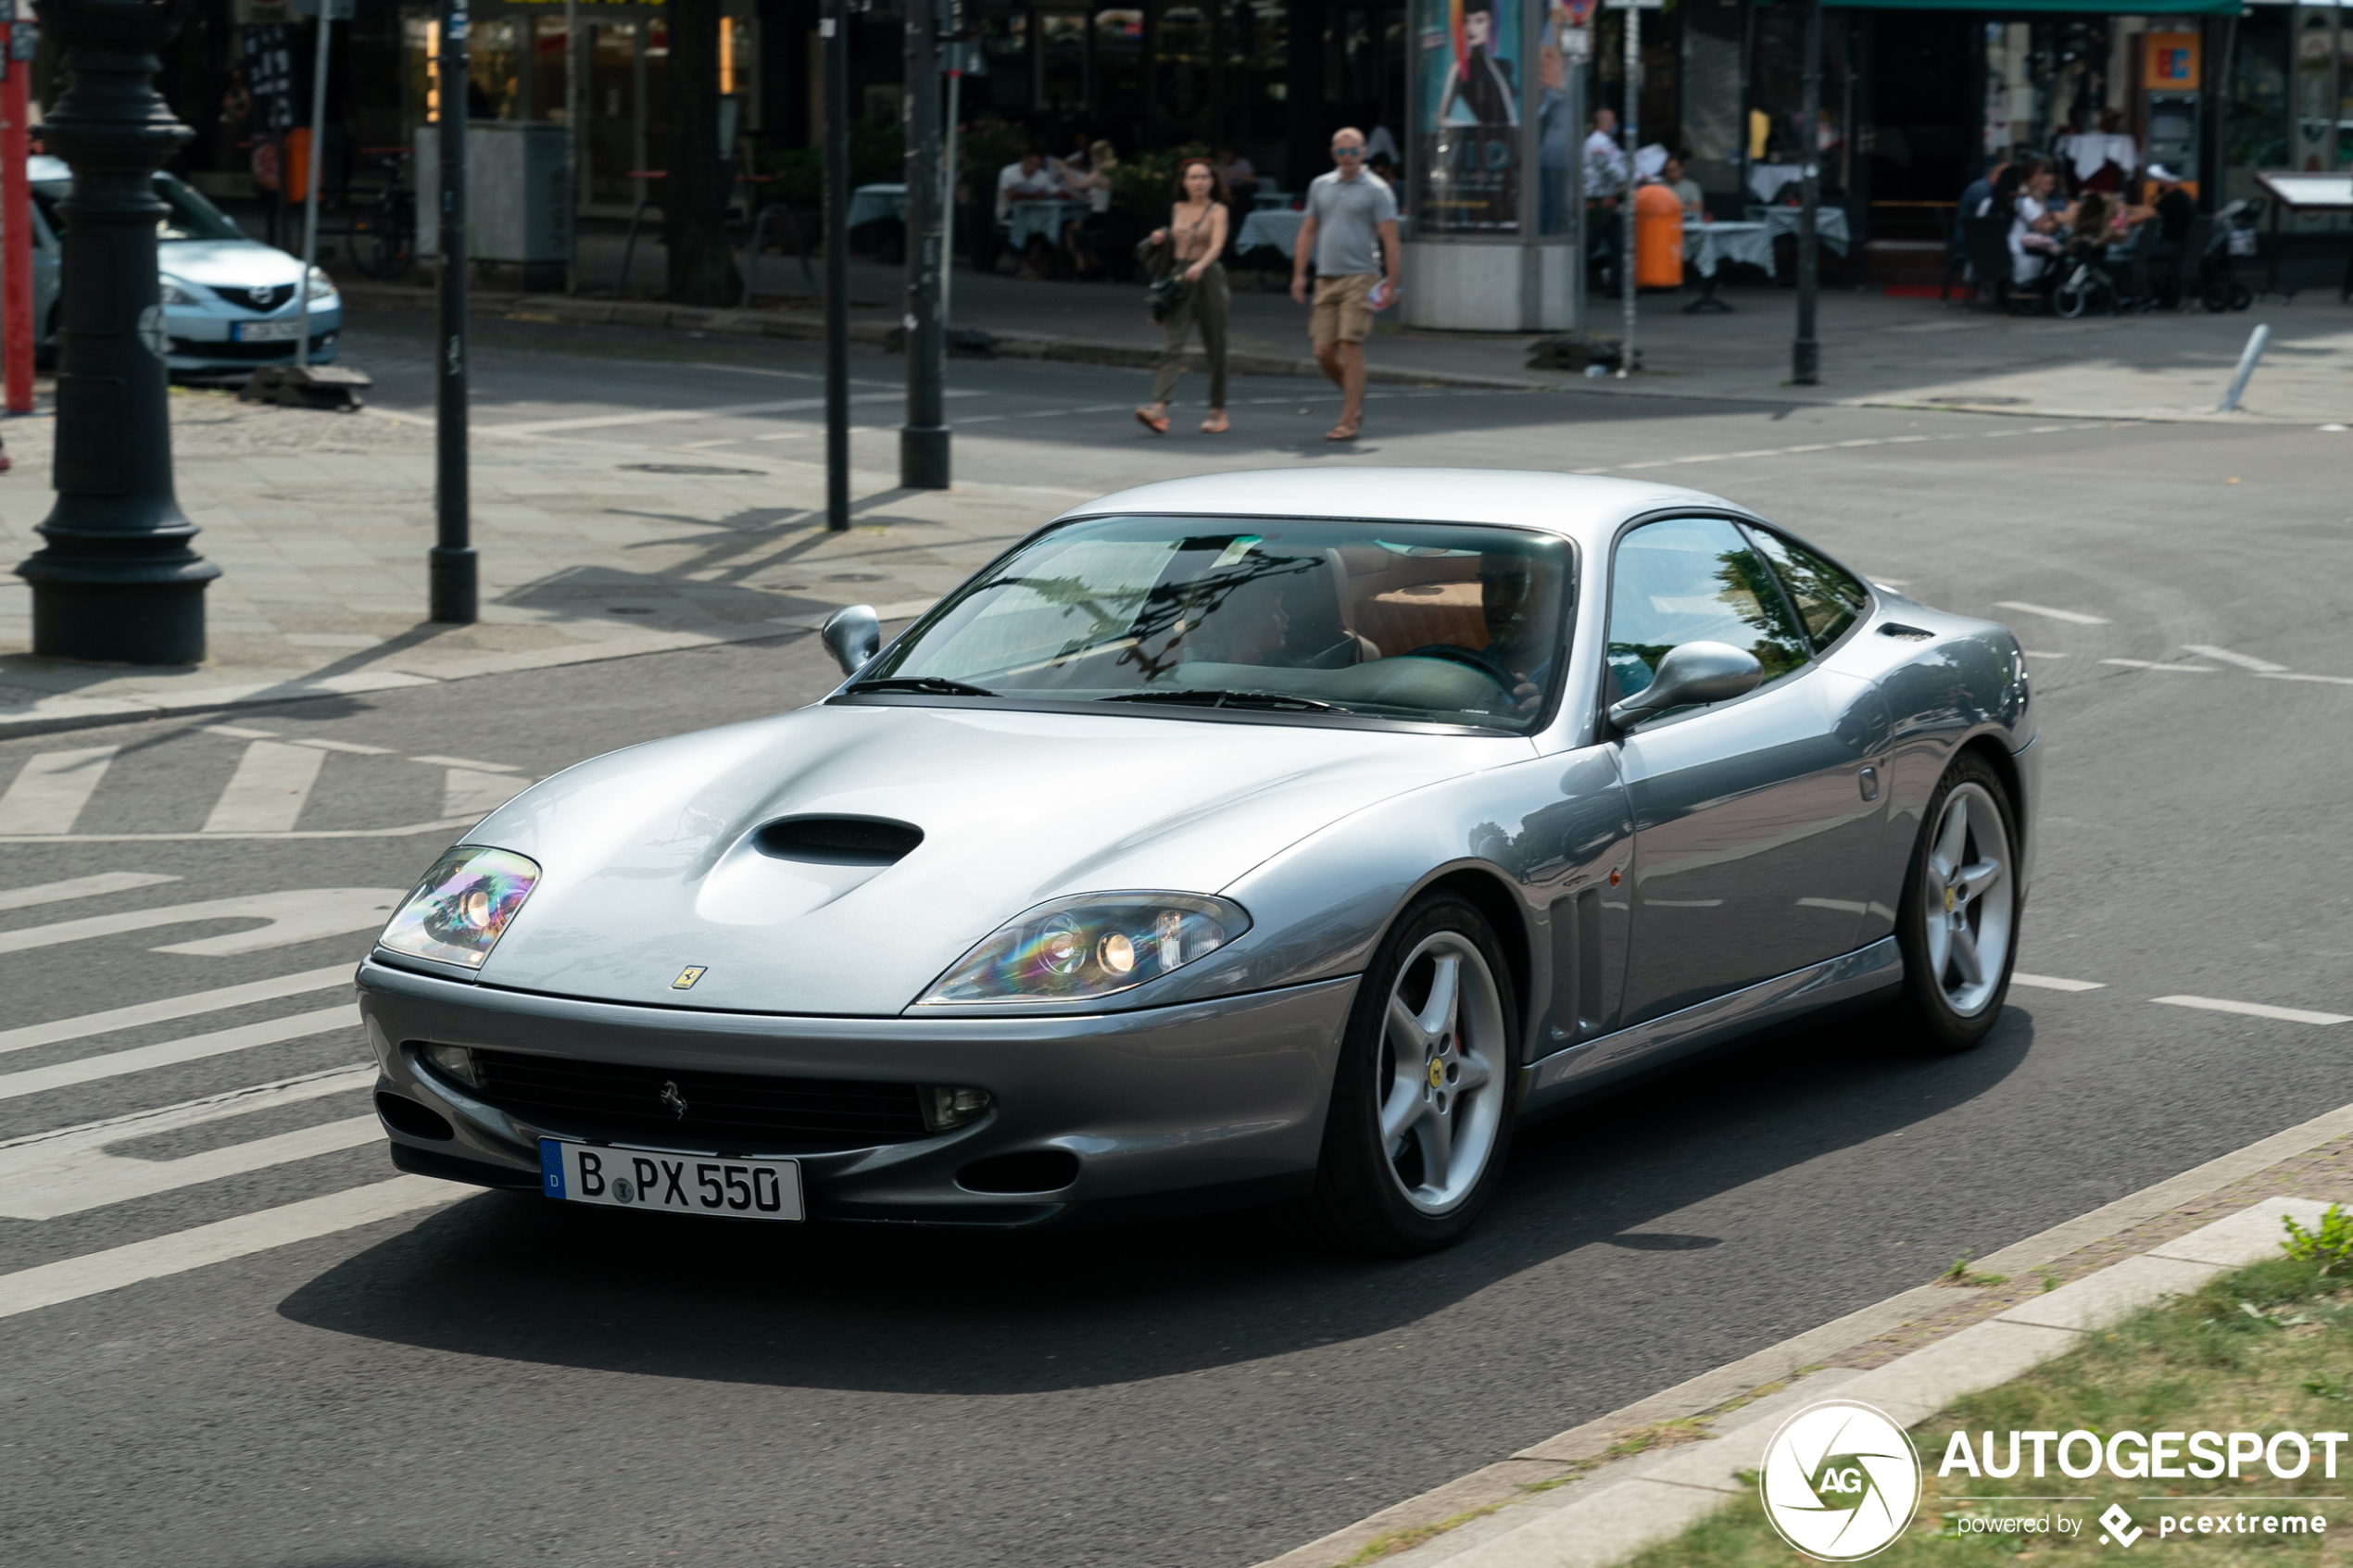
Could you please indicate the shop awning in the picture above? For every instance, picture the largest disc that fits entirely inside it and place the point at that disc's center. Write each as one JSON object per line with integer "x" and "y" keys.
{"x": 2037, "y": 8}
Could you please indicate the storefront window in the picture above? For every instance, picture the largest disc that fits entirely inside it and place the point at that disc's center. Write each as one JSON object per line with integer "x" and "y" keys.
{"x": 1181, "y": 62}
{"x": 1004, "y": 53}
{"x": 2316, "y": 90}
{"x": 2259, "y": 123}
{"x": 1255, "y": 42}
{"x": 495, "y": 67}
{"x": 1062, "y": 61}
{"x": 1119, "y": 61}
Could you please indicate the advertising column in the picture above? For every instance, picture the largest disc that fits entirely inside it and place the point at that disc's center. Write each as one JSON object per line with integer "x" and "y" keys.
{"x": 1490, "y": 243}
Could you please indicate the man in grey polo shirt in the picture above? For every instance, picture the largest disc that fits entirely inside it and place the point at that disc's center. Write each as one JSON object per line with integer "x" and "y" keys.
{"x": 1350, "y": 233}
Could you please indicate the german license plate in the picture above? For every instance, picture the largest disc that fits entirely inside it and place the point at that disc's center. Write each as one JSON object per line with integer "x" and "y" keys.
{"x": 678, "y": 1183}
{"x": 267, "y": 332}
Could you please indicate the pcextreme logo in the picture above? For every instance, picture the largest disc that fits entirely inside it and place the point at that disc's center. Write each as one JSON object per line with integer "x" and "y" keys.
{"x": 1840, "y": 1481}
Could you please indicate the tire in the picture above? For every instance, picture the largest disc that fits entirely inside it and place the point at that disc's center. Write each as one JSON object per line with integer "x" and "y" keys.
{"x": 1374, "y": 1191}
{"x": 2217, "y": 297}
{"x": 2241, "y": 296}
{"x": 2071, "y": 299}
{"x": 1961, "y": 899}
{"x": 379, "y": 247}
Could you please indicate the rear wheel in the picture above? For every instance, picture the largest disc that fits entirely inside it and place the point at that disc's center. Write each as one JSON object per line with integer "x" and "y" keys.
{"x": 1957, "y": 920}
{"x": 2072, "y": 298}
{"x": 1422, "y": 1105}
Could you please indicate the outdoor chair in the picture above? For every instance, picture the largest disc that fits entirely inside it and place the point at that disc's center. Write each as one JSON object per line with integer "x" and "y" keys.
{"x": 1987, "y": 240}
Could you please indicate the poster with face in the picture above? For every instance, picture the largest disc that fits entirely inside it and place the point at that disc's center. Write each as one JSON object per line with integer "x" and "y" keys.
{"x": 1470, "y": 105}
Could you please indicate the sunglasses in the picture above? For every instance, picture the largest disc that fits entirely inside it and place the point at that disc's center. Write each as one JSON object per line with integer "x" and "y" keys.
{"x": 1348, "y": 152}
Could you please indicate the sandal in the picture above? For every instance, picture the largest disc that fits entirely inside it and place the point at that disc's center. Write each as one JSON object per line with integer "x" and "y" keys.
{"x": 1216, "y": 424}
{"x": 1342, "y": 433}
{"x": 1156, "y": 423}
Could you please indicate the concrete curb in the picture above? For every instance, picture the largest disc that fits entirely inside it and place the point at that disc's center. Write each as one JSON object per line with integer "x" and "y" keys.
{"x": 1620, "y": 1506}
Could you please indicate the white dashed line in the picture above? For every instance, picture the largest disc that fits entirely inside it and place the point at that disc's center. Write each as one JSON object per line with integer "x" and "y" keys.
{"x": 2244, "y": 660}
{"x": 80, "y": 887}
{"x": 235, "y": 731}
{"x": 2153, "y": 664}
{"x": 2254, "y": 1010}
{"x": 2041, "y": 653}
{"x": 468, "y": 762}
{"x": 2074, "y": 617}
{"x": 351, "y": 748}
{"x": 2284, "y": 675}
{"x": 2053, "y": 982}
{"x": 26, "y": 1036}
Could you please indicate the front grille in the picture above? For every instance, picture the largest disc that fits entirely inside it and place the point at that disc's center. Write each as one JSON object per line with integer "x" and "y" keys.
{"x": 265, "y": 299}
{"x": 730, "y": 1112}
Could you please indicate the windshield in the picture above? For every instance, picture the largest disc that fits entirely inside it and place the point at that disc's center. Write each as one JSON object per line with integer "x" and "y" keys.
{"x": 190, "y": 216}
{"x": 1450, "y": 623}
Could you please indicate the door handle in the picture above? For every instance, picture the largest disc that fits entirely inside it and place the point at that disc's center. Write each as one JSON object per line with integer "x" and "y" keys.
{"x": 1867, "y": 780}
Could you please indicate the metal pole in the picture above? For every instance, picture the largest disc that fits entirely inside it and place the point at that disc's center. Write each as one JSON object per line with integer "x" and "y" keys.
{"x": 115, "y": 580}
{"x": 2254, "y": 351}
{"x": 310, "y": 177}
{"x": 1626, "y": 286}
{"x": 949, "y": 171}
{"x": 834, "y": 29}
{"x": 1576, "y": 66}
{"x": 451, "y": 570}
{"x": 1805, "y": 354}
{"x": 923, "y": 440}
{"x": 15, "y": 239}
{"x": 572, "y": 146}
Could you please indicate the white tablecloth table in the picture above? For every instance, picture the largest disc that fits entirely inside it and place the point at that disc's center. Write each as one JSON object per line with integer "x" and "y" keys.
{"x": 1044, "y": 220}
{"x": 1830, "y": 224}
{"x": 1279, "y": 228}
{"x": 1767, "y": 179}
{"x": 870, "y": 204}
{"x": 1709, "y": 245}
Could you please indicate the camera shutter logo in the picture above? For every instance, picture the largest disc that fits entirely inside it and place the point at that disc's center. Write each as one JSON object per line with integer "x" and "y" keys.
{"x": 1840, "y": 1481}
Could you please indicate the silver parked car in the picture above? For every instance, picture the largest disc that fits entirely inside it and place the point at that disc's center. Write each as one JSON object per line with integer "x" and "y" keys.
{"x": 230, "y": 303}
{"x": 1282, "y": 834}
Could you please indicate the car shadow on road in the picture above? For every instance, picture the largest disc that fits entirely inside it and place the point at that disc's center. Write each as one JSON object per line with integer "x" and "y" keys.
{"x": 509, "y": 1276}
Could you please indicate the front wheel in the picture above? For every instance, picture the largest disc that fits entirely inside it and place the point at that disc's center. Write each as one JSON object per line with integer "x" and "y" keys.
{"x": 2072, "y": 298}
{"x": 1956, "y": 923}
{"x": 1422, "y": 1105}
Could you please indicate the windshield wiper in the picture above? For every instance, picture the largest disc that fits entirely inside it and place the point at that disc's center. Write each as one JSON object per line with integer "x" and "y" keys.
{"x": 1204, "y": 697}
{"x": 934, "y": 686}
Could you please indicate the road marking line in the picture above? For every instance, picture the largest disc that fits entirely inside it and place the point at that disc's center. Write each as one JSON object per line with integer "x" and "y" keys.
{"x": 2040, "y": 653}
{"x": 673, "y": 416}
{"x": 2154, "y": 664}
{"x": 170, "y": 1053}
{"x": 50, "y": 789}
{"x": 2074, "y": 617}
{"x": 2254, "y": 1009}
{"x": 72, "y": 1171}
{"x": 2330, "y": 679}
{"x": 1842, "y": 905}
{"x": 295, "y": 915}
{"x": 80, "y": 887}
{"x": 468, "y": 762}
{"x": 25, "y": 1036}
{"x": 2244, "y": 660}
{"x": 237, "y": 731}
{"x": 2053, "y": 982}
{"x": 465, "y": 792}
{"x": 268, "y": 791}
{"x": 351, "y": 747}
{"x": 94, "y": 1272}
{"x": 438, "y": 825}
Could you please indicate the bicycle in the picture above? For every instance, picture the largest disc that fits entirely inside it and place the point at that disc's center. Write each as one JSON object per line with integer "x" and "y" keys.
{"x": 384, "y": 236}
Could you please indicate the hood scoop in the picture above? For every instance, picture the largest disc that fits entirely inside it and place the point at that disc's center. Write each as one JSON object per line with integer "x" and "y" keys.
{"x": 839, "y": 840}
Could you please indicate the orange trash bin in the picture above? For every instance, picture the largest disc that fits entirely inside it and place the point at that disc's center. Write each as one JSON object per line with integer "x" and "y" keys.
{"x": 1658, "y": 238}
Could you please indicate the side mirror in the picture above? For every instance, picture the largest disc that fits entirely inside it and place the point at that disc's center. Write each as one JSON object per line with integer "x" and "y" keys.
{"x": 853, "y": 636}
{"x": 1691, "y": 672}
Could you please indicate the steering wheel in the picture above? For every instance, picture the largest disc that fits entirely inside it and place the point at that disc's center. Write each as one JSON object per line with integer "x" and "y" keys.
{"x": 1486, "y": 664}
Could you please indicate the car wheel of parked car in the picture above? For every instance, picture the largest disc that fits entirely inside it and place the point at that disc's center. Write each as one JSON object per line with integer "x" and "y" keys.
{"x": 1422, "y": 1106}
{"x": 1958, "y": 921}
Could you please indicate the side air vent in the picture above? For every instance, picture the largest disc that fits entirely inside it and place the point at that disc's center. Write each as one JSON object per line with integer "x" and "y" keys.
{"x": 1909, "y": 633}
{"x": 840, "y": 841}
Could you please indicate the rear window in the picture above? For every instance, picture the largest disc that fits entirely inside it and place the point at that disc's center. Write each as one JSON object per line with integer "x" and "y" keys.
{"x": 1827, "y": 599}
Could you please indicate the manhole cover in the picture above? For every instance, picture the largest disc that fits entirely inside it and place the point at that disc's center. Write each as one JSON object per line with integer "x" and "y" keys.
{"x": 687, "y": 468}
{"x": 1980, "y": 401}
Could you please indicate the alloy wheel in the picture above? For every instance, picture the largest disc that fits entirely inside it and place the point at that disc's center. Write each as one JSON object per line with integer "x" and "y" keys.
{"x": 1970, "y": 899}
{"x": 1441, "y": 1083}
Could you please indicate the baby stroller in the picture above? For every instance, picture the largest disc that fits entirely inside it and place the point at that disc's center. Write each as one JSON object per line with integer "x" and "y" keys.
{"x": 2087, "y": 283}
{"x": 2231, "y": 233}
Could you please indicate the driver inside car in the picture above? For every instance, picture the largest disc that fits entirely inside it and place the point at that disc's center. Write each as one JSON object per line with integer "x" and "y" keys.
{"x": 1513, "y": 599}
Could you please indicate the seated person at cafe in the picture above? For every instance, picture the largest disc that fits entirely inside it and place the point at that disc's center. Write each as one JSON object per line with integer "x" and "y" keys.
{"x": 1686, "y": 189}
{"x": 1027, "y": 180}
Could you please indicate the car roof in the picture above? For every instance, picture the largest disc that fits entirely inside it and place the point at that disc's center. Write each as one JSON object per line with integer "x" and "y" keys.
{"x": 1588, "y": 507}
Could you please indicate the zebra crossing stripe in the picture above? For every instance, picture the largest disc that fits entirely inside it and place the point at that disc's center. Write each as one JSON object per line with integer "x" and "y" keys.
{"x": 50, "y": 789}
{"x": 80, "y": 887}
{"x": 70, "y": 1279}
{"x": 25, "y": 1036}
{"x": 170, "y": 1053}
{"x": 296, "y": 915}
{"x": 267, "y": 793}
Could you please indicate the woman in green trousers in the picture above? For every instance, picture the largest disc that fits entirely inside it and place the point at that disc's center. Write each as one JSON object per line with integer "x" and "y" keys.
{"x": 1197, "y": 228}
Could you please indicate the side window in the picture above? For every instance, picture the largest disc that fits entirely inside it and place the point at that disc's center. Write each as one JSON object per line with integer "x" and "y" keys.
{"x": 1828, "y": 600}
{"x": 1689, "y": 580}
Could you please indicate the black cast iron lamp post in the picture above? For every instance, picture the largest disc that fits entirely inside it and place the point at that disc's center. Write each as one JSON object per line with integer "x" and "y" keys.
{"x": 117, "y": 580}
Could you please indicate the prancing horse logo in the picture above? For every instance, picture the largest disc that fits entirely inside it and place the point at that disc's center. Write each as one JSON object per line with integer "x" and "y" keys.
{"x": 672, "y": 1099}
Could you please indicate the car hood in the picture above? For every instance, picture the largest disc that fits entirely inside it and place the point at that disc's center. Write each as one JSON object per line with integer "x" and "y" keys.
{"x": 648, "y": 861}
{"x": 244, "y": 264}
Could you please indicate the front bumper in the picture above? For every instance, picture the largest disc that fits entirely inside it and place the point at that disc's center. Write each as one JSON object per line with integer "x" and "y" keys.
{"x": 203, "y": 336}
{"x": 1211, "y": 1095}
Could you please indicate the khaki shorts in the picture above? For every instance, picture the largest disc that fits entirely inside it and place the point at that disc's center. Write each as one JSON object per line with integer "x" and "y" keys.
{"x": 1343, "y": 310}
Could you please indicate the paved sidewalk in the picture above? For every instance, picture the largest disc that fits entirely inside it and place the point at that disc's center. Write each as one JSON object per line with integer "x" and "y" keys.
{"x": 1599, "y": 1492}
{"x": 1875, "y": 350}
{"x": 321, "y": 523}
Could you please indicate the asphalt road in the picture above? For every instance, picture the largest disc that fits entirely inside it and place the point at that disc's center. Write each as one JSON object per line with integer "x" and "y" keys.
{"x": 504, "y": 1381}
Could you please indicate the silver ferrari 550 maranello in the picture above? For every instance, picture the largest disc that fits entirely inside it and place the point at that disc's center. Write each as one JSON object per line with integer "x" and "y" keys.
{"x": 1289, "y": 834}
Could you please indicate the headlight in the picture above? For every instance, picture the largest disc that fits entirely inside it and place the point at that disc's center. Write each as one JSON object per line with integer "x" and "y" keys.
{"x": 176, "y": 293}
{"x": 1094, "y": 945}
{"x": 463, "y": 905}
{"x": 321, "y": 286}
